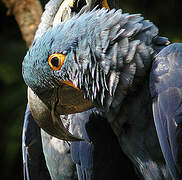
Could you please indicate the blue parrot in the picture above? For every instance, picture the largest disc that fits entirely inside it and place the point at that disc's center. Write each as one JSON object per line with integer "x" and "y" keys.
{"x": 101, "y": 83}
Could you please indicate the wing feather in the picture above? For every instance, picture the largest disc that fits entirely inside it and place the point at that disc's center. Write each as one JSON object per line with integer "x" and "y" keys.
{"x": 166, "y": 91}
{"x": 33, "y": 158}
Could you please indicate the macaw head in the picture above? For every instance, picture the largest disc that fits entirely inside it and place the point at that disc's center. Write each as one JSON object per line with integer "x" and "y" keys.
{"x": 65, "y": 61}
{"x": 73, "y": 59}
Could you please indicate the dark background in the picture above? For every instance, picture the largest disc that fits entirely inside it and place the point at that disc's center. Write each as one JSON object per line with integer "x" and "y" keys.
{"x": 166, "y": 14}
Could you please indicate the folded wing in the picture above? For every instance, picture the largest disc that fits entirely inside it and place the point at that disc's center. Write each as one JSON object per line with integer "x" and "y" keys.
{"x": 166, "y": 91}
{"x": 33, "y": 158}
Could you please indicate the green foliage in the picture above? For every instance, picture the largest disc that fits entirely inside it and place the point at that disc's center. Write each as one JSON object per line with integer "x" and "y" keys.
{"x": 13, "y": 100}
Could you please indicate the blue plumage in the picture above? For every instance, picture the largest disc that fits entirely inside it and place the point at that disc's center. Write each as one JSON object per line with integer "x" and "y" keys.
{"x": 33, "y": 158}
{"x": 108, "y": 59}
{"x": 166, "y": 91}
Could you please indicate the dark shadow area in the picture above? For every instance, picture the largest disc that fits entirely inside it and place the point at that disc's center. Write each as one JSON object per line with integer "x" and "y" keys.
{"x": 107, "y": 152}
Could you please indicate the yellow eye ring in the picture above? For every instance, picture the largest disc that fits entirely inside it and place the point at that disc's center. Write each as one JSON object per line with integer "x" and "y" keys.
{"x": 56, "y": 61}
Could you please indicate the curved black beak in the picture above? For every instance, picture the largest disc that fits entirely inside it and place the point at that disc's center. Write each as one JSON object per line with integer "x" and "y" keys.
{"x": 47, "y": 119}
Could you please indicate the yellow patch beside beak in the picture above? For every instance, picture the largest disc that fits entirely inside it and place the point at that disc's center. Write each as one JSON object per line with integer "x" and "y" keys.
{"x": 69, "y": 84}
{"x": 105, "y": 4}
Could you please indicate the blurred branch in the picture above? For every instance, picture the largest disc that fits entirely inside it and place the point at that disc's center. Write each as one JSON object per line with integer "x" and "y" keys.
{"x": 27, "y": 14}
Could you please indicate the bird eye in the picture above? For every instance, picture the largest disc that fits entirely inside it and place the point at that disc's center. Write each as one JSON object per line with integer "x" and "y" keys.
{"x": 56, "y": 61}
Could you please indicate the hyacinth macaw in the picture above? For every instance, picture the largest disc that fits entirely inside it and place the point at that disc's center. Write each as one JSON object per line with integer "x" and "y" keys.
{"x": 101, "y": 82}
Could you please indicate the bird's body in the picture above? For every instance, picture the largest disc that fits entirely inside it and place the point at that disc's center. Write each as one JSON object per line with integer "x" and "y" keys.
{"x": 139, "y": 139}
{"x": 58, "y": 157}
{"x": 104, "y": 59}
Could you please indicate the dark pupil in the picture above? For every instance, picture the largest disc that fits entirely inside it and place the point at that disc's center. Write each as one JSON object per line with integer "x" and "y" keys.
{"x": 55, "y": 61}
